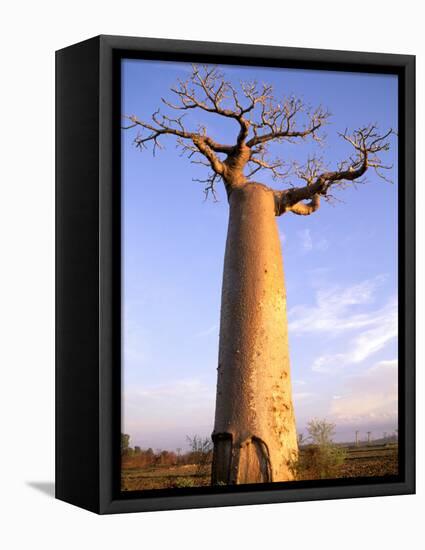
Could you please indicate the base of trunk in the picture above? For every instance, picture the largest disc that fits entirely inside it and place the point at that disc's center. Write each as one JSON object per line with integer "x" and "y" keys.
{"x": 249, "y": 463}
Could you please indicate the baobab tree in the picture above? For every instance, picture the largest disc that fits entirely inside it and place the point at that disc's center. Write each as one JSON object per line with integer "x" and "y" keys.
{"x": 255, "y": 438}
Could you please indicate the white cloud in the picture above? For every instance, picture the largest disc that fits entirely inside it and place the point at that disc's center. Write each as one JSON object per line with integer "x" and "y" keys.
{"x": 162, "y": 415}
{"x": 381, "y": 329}
{"x": 322, "y": 245}
{"x": 371, "y": 397}
{"x": 213, "y": 329}
{"x": 306, "y": 240}
{"x": 282, "y": 236}
{"x": 336, "y": 309}
{"x": 349, "y": 309}
{"x": 309, "y": 242}
{"x": 298, "y": 396}
{"x": 190, "y": 388}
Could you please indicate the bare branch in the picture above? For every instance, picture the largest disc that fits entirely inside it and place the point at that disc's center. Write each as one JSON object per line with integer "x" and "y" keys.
{"x": 164, "y": 125}
{"x": 209, "y": 185}
{"x": 367, "y": 142}
{"x": 278, "y": 168}
{"x": 280, "y": 122}
{"x": 206, "y": 89}
{"x": 261, "y": 120}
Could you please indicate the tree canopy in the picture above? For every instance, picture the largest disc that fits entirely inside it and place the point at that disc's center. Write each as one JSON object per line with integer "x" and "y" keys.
{"x": 260, "y": 119}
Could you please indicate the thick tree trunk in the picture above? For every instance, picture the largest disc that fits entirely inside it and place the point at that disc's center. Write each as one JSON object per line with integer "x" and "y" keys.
{"x": 254, "y": 434}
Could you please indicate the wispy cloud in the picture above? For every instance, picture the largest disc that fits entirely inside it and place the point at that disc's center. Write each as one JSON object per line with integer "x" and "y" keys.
{"x": 176, "y": 408}
{"x": 350, "y": 309}
{"x": 213, "y": 329}
{"x": 311, "y": 242}
{"x": 282, "y": 236}
{"x": 382, "y": 329}
{"x": 336, "y": 309}
{"x": 298, "y": 396}
{"x": 175, "y": 389}
{"x": 371, "y": 397}
{"x": 306, "y": 240}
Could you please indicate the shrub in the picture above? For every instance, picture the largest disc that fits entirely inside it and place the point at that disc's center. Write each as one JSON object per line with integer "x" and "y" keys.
{"x": 182, "y": 482}
{"x": 200, "y": 453}
{"x": 321, "y": 457}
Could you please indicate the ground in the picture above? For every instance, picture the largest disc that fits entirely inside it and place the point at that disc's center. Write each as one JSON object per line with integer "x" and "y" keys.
{"x": 361, "y": 461}
{"x": 163, "y": 477}
{"x": 373, "y": 460}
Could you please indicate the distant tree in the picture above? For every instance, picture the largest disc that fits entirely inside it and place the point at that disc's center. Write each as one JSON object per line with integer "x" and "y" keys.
{"x": 166, "y": 458}
{"x": 125, "y": 442}
{"x": 144, "y": 458}
{"x": 320, "y": 432}
{"x": 200, "y": 452}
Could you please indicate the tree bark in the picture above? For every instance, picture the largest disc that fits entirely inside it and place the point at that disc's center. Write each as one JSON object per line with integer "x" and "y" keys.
{"x": 254, "y": 434}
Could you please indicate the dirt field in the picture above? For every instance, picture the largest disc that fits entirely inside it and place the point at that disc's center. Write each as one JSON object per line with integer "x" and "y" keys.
{"x": 373, "y": 460}
{"x": 163, "y": 477}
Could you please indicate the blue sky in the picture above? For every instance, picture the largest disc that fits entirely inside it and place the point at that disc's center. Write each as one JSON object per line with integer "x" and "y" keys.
{"x": 340, "y": 266}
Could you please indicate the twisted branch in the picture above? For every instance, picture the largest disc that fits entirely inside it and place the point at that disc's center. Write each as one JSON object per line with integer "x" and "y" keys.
{"x": 367, "y": 143}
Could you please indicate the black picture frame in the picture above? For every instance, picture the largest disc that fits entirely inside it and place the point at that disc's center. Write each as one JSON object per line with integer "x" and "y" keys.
{"x": 88, "y": 271}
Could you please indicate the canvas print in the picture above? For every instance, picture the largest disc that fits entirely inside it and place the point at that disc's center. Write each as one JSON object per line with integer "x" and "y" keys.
{"x": 259, "y": 275}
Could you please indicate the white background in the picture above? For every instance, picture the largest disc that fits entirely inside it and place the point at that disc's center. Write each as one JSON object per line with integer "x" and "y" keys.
{"x": 30, "y": 32}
